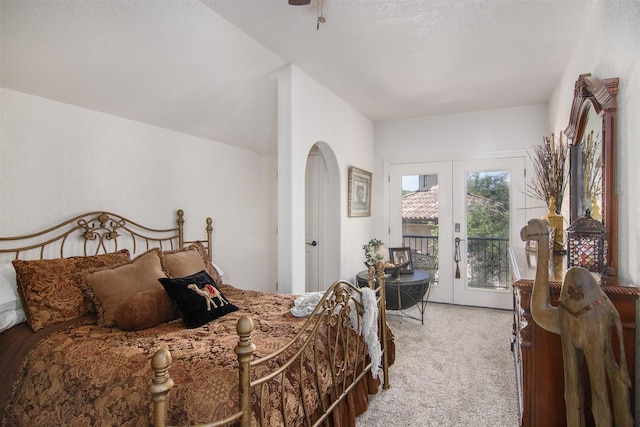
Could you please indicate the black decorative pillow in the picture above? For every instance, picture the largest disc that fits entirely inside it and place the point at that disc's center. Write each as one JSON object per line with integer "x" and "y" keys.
{"x": 197, "y": 298}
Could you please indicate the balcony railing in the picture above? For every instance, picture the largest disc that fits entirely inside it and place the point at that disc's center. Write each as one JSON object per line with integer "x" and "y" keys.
{"x": 488, "y": 262}
{"x": 487, "y": 258}
{"x": 427, "y": 245}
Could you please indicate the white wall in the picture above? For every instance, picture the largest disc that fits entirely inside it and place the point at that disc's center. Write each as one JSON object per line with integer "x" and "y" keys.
{"x": 308, "y": 113}
{"x": 59, "y": 160}
{"x": 454, "y": 137}
{"x": 610, "y": 47}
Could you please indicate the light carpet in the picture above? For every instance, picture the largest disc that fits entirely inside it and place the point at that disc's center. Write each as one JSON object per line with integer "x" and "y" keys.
{"x": 456, "y": 370}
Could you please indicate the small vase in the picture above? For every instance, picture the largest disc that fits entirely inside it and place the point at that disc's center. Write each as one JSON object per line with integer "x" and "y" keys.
{"x": 556, "y": 221}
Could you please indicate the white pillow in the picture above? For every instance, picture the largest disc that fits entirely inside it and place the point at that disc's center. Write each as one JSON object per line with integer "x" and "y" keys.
{"x": 220, "y": 272}
{"x": 11, "y": 312}
{"x": 10, "y": 318}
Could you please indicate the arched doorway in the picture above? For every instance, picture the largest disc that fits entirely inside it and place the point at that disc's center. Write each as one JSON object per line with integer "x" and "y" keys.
{"x": 322, "y": 218}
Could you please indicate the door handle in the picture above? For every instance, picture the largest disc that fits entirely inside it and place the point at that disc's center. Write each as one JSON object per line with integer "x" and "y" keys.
{"x": 456, "y": 256}
{"x": 314, "y": 243}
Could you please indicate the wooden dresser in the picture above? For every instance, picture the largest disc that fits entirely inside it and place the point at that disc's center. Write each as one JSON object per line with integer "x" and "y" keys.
{"x": 538, "y": 353}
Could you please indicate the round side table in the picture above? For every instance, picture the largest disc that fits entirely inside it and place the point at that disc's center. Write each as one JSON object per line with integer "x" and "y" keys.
{"x": 411, "y": 289}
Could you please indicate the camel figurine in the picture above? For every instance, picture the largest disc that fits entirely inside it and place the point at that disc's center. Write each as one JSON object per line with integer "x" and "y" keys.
{"x": 209, "y": 292}
{"x": 583, "y": 319}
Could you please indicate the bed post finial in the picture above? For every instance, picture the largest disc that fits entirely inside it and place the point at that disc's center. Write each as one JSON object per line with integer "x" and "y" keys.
{"x": 244, "y": 350}
{"x": 371, "y": 277}
{"x": 180, "y": 222}
{"x": 160, "y": 385}
{"x": 383, "y": 324}
{"x": 209, "y": 229}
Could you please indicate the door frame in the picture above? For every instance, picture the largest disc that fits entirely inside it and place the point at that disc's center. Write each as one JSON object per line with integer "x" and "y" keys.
{"x": 387, "y": 165}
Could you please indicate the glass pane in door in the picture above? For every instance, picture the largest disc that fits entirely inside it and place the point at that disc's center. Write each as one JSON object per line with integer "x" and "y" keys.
{"x": 488, "y": 222}
{"x": 420, "y": 221}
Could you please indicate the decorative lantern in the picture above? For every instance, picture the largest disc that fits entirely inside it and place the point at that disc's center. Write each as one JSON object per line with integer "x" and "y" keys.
{"x": 588, "y": 244}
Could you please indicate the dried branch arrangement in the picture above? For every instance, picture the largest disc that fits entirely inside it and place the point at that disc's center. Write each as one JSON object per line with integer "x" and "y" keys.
{"x": 550, "y": 171}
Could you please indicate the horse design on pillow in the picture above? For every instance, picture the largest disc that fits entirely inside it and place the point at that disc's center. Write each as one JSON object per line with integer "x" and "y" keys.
{"x": 210, "y": 294}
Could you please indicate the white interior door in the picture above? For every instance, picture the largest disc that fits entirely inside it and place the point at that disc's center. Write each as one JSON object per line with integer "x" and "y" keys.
{"x": 314, "y": 201}
{"x": 477, "y": 203}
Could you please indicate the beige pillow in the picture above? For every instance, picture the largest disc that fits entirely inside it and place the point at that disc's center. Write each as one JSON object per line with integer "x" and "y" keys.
{"x": 51, "y": 291}
{"x": 187, "y": 261}
{"x": 107, "y": 288}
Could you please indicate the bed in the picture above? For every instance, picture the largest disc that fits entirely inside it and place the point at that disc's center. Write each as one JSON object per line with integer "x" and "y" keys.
{"x": 108, "y": 322}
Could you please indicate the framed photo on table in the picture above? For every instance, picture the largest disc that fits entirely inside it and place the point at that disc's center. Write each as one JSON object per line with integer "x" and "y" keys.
{"x": 401, "y": 256}
{"x": 359, "y": 192}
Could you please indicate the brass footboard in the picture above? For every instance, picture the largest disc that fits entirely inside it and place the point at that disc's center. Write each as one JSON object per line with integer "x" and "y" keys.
{"x": 325, "y": 355}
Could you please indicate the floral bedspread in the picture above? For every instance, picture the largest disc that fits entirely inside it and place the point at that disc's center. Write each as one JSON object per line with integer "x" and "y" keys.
{"x": 94, "y": 376}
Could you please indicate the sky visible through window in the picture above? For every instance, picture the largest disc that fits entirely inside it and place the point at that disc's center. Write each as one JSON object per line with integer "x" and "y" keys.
{"x": 410, "y": 182}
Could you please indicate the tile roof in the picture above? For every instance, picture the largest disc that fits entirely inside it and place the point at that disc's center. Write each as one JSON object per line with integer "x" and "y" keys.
{"x": 421, "y": 206}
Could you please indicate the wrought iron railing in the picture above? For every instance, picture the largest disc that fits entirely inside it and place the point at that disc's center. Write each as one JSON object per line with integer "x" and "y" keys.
{"x": 487, "y": 258}
{"x": 427, "y": 245}
{"x": 488, "y": 262}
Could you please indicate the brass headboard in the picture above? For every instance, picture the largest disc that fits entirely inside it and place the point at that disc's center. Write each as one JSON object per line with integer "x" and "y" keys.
{"x": 99, "y": 232}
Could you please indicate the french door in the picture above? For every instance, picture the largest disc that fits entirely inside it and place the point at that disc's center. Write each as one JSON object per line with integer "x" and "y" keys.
{"x": 464, "y": 215}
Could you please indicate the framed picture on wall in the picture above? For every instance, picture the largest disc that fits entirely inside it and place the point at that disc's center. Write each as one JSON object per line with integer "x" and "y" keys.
{"x": 359, "y": 192}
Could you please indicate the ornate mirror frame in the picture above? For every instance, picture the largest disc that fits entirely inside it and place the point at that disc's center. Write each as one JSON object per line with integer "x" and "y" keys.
{"x": 592, "y": 95}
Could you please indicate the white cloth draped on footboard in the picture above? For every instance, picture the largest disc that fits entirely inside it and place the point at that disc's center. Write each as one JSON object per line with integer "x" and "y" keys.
{"x": 305, "y": 304}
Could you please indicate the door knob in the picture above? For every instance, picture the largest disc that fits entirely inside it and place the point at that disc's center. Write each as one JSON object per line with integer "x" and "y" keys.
{"x": 314, "y": 243}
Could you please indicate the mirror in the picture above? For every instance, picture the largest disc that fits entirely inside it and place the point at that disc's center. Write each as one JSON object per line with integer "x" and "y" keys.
{"x": 592, "y": 155}
{"x": 586, "y": 169}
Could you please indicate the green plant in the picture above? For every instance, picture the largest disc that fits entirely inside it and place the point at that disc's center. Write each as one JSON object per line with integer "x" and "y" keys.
{"x": 372, "y": 253}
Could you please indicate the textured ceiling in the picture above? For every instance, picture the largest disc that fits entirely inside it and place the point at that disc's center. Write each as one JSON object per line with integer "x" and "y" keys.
{"x": 209, "y": 68}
